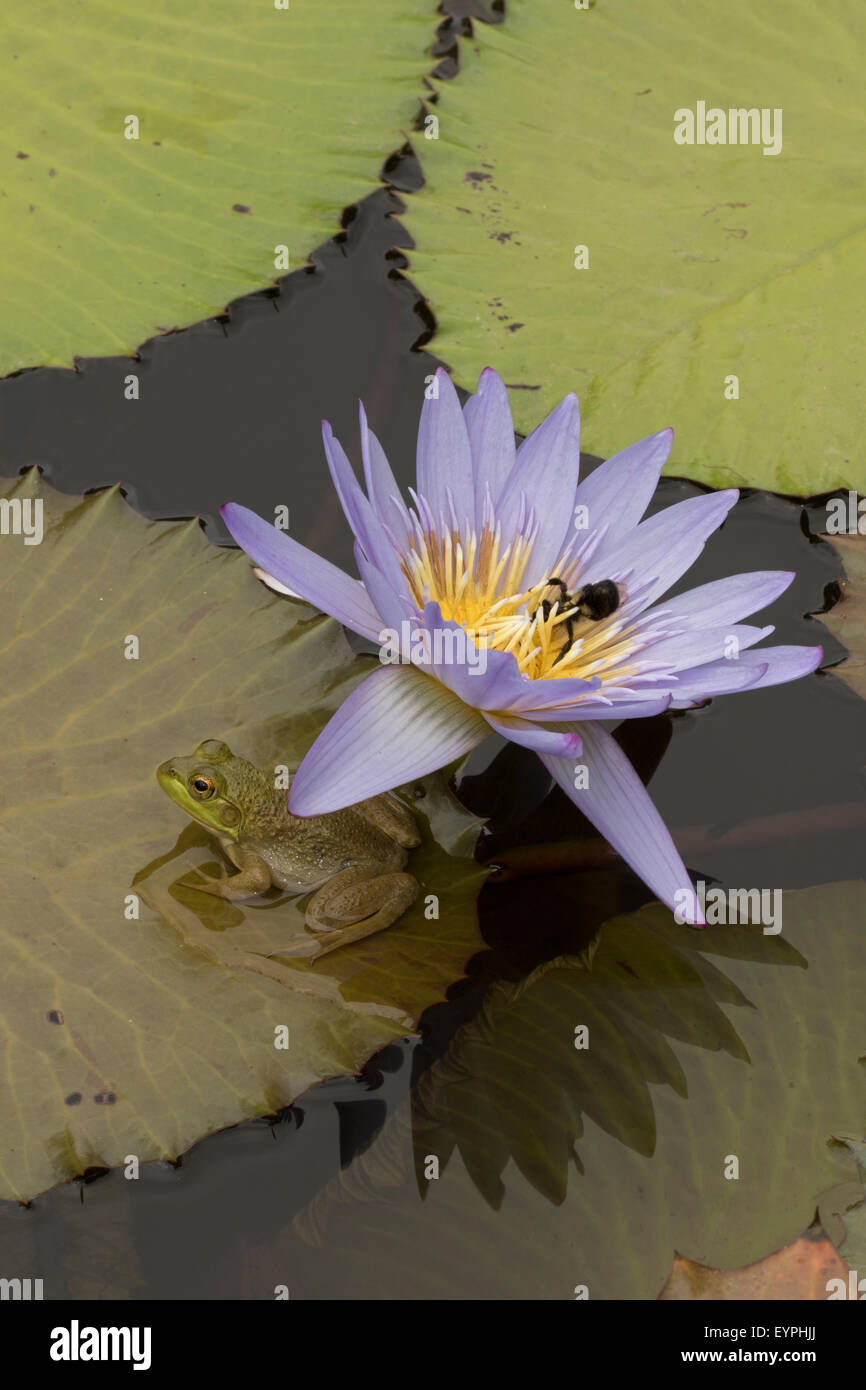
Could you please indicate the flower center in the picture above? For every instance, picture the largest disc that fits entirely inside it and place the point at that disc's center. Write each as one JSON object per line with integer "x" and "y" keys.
{"x": 478, "y": 583}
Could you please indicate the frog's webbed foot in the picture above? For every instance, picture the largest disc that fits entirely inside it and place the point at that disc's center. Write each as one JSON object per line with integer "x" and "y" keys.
{"x": 356, "y": 903}
{"x": 254, "y": 877}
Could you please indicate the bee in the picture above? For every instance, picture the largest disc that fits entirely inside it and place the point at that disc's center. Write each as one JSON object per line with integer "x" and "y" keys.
{"x": 597, "y": 601}
{"x": 593, "y": 601}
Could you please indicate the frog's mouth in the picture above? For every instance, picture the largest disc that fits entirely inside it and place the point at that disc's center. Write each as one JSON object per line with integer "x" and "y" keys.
{"x": 166, "y": 776}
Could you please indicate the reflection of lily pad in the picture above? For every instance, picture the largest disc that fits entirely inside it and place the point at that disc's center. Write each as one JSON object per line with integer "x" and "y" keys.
{"x": 847, "y": 618}
{"x": 256, "y": 126}
{"x": 703, "y": 262}
{"x": 561, "y": 1167}
{"x": 130, "y": 1035}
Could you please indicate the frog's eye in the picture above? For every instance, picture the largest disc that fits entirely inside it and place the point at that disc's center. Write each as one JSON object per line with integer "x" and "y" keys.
{"x": 201, "y": 786}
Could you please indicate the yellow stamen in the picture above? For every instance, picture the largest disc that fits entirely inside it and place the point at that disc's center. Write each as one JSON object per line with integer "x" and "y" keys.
{"x": 477, "y": 583}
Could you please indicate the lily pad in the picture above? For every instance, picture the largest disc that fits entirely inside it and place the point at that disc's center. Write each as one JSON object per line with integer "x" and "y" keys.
{"x": 533, "y": 1168}
{"x": 256, "y": 126}
{"x": 705, "y": 262}
{"x": 847, "y": 618}
{"x": 138, "y": 1014}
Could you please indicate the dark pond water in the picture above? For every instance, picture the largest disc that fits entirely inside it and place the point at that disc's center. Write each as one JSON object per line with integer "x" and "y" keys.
{"x": 231, "y": 409}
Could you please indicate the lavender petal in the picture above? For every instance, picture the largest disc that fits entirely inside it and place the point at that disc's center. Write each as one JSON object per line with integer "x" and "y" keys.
{"x": 620, "y": 808}
{"x": 396, "y": 725}
{"x": 303, "y": 571}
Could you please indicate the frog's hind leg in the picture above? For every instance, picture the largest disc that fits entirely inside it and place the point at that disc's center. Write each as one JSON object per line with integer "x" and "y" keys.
{"x": 387, "y": 812}
{"x": 356, "y": 903}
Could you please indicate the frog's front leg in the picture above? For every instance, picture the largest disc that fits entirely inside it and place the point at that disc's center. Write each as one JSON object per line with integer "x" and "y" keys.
{"x": 356, "y": 903}
{"x": 253, "y": 877}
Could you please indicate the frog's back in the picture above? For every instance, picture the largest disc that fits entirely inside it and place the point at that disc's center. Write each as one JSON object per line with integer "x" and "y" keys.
{"x": 310, "y": 850}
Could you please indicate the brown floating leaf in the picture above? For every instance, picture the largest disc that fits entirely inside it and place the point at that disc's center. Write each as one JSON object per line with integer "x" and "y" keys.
{"x": 847, "y": 619}
{"x": 805, "y": 1269}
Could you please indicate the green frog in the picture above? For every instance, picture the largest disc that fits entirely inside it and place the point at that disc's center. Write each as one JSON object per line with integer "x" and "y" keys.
{"x": 352, "y": 858}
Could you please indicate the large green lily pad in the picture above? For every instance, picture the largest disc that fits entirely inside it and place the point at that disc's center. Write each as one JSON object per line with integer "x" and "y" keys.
{"x": 705, "y": 262}
{"x": 257, "y": 125}
{"x": 128, "y": 1034}
{"x": 562, "y": 1167}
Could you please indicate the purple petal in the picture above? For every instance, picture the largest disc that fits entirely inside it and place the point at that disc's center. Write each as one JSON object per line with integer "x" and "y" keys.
{"x": 392, "y": 607}
{"x": 716, "y": 678}
{"x": 556, "y": 693}
{"x": 783, "y": 663}
{"x": 559, "y": 745}
{"x": 360, "y": 515}
{"x": 357, "y": 509}
{"x": 621, "y": 707}
{"x": 482, "y": 679}
{"x": 382, "y": 487}
{"x": 545, "y": 478}
{"x": 444, "y": 458}
{"x": 767, "y": 666}
{"x": 618, "y": 492}
{"x": 490, "y": 684}
{"x": 697, "y": 647}
{"x": 653, "y": 556}
{"x": 302, "y": 571}
{"x": 727, "y": 600}
{"x": 396, "y": 725}
{"x": 620, "y": 808}
{"x": 491, "y": 438}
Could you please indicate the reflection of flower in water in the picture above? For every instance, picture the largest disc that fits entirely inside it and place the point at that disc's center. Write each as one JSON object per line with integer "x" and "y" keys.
{"x": 552, "y": 585}
{"x": 551, "y": 1156}
{"x": 612, "y": 1087}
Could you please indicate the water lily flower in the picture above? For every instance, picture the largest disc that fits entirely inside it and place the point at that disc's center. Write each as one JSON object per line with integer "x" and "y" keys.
{"x": 514, "y": 598}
